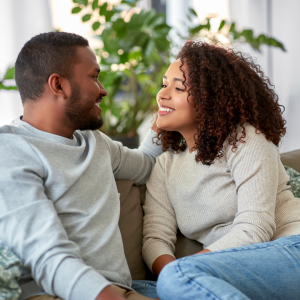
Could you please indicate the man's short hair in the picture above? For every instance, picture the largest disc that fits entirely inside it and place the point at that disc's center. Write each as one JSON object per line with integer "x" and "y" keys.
{"x": 43, "y": 55}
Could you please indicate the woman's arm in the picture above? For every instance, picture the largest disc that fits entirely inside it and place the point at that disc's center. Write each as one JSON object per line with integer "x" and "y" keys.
{"x": 163, "y": 260}
{"x": 160, "y": 262}
{"x": 160, "y": 225}
{"x": 254, "y": 169}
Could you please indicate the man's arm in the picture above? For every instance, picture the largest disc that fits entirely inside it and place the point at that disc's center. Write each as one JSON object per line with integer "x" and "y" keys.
{"x": 30, "y": 227}
{"x": 133, "y": 164}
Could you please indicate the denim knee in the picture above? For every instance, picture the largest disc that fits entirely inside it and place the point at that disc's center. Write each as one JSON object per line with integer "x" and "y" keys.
{"x": 168, "y": 282}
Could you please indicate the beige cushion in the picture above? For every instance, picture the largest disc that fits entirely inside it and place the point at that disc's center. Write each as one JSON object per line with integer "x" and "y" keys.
{"x": 291, "y": 159}
{"x": 131, "y": 225}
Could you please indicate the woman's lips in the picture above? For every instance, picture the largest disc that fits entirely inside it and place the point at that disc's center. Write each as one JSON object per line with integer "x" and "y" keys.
{"x": 165, "y": 110}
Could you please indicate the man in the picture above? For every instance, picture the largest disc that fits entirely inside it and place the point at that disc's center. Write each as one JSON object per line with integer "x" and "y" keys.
{"x": 58, "y": 198}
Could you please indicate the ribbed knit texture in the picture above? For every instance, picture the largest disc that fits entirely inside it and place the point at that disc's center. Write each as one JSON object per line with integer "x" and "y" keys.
{"x": 241, "y": 199}
{"x": 60, "y": 207}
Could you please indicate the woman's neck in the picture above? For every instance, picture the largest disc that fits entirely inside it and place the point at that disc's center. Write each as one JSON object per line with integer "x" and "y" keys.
{"x": 190, "y": 140}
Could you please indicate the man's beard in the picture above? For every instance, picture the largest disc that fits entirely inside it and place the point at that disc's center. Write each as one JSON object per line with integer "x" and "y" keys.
{"x": 80, "y": 114}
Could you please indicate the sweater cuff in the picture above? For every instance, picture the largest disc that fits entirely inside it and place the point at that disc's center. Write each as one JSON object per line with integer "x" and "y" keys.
{"x": 153, "y": 251}
{"x": 148, "y": 145}
{"x": 223, "y": 244}
{"x": 86, "y": 282}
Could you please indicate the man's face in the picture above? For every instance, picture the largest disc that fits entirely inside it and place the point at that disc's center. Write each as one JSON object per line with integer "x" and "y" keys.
{"x": 83, "y": 109}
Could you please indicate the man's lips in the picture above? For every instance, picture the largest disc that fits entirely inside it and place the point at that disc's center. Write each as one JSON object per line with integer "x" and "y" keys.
{"x": 165, "y": 110}
{"x": 98, "y": 101}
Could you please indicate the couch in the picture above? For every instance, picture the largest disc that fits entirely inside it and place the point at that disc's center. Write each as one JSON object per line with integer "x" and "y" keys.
{"x": 132, "y": 198}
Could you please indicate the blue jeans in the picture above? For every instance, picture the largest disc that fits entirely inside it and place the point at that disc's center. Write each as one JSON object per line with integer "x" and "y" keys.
{"x": 266, "y": 271}
{"x": 145, "y": 287}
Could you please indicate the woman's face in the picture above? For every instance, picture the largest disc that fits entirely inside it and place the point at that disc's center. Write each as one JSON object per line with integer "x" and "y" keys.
{"x": 175, "y": 112}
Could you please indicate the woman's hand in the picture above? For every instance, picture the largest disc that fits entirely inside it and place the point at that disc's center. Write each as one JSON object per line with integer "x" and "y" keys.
{"x": 203, "y": 251}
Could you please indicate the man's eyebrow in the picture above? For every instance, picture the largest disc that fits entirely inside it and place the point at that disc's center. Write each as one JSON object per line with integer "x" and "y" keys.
{"x": 97, "y": 69}
{"x": 174, "y": 79}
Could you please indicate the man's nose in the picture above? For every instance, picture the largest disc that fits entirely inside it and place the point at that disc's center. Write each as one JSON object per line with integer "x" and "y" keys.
{"x": 103, "y": 91}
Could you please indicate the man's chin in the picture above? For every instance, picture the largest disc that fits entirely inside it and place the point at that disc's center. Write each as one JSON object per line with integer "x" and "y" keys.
{"x": 92, "y": 124}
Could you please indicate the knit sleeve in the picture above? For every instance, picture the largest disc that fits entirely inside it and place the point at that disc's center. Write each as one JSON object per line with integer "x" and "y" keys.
{"x": 160, "y": 226}
{"x": 133, "y": 164}
{"x": 254, "y": 169}
{"x": 31, "y": 228}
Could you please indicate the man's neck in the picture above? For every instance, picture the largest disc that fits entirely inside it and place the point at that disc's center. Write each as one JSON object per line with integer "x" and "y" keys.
{"x": 47, "y": 118}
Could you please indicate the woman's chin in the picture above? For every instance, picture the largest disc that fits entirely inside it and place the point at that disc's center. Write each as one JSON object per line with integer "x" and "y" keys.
{"x": 162, "y": 126}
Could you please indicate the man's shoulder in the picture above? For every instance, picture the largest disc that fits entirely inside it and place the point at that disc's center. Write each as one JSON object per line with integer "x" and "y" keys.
{"x": 11, "y": 132}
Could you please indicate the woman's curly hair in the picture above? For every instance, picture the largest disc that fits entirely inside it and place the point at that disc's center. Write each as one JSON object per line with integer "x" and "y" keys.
{"x": 227, "y": 89}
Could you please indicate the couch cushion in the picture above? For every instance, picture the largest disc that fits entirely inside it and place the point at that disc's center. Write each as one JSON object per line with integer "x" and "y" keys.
{"x": 291, "y": 159}
{"x": 131, "y": 226}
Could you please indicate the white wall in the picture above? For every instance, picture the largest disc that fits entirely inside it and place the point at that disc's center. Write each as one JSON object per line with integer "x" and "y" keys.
{"x": 19, "y": 21}
{"x": 283, "y": 68}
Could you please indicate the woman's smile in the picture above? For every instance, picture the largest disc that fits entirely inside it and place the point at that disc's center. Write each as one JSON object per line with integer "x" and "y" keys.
{"x": 165, "y": 110}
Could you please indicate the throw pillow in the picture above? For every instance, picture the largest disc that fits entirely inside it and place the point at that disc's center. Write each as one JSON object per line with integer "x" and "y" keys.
{"x": 10, "y": 271}
{"x": 294, "y": 181}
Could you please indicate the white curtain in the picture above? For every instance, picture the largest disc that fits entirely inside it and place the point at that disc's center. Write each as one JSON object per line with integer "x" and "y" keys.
{"x": 19, "y": 21}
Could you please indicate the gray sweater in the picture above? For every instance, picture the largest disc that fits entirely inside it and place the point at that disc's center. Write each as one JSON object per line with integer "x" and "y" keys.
{"x": 59, "y": 207}
{"x": 239, "y": 200}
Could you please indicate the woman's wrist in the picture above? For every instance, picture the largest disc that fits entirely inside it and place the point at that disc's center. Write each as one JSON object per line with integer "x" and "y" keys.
{"x": 160, "y": 262}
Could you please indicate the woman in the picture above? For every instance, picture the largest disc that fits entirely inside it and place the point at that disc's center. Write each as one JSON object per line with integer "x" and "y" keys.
{"x": 221, "y": 182}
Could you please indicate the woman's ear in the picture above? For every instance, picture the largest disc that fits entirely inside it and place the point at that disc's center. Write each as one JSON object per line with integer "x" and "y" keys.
{"x": 59, "y": 86}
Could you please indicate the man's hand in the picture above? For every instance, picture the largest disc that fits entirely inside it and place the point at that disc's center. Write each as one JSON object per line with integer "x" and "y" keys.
{"x": 109, "y": 294}
{"x": 154, "y": 125}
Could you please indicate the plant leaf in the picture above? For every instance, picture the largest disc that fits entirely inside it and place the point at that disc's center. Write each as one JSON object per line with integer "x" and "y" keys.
{"x": 10, "y": 73}
{"x": 131, "y": 3}
{"x": 208, "y": 24}
{"x": 193, "y": 12}
{"x": 76, "y": 10}
{"x": 95, "y": 4}
{"x": 86, "y": 18}
{"x": 84, "y": 2}
{"x": 96, "y": 25}
{"x": 222, "y": 24}
{"x": 196, "y": 29}
{"x": 109, "y": 14}
{"x": 3, "y": 87}
{"x": 103, "y": 9}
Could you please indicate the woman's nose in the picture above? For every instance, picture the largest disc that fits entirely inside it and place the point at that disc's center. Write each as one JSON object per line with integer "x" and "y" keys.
{"x": 164, "y": 94}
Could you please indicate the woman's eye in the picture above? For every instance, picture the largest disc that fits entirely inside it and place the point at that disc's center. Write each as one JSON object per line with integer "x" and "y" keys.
{"x": 178, "y": 89}
{"x": 163, "y": 86}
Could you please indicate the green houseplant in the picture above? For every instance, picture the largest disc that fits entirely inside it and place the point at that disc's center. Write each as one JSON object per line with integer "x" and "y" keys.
{"x": 133, "y": 59}
{"x": 136, "y": 53}
{"x": 9, "y": 74}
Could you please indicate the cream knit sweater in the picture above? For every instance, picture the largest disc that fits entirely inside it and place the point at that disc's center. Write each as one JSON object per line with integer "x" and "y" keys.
{"x": 241, "y": 199}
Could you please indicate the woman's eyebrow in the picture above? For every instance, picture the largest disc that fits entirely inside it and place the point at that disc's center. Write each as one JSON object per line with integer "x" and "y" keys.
{"x": 174, "y": 79}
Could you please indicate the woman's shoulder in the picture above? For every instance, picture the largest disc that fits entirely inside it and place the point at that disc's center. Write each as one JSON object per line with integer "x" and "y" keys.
{"x": 250, "y": 139}
{"x": 169, "y": 158}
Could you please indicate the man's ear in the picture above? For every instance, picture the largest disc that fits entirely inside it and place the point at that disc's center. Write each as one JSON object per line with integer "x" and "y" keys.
{"x": 59, "y": 86}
